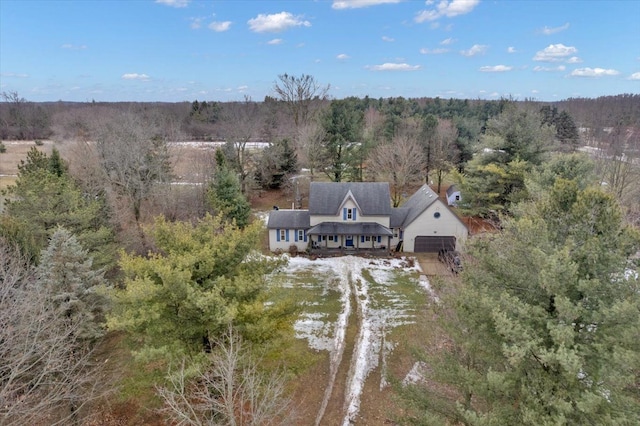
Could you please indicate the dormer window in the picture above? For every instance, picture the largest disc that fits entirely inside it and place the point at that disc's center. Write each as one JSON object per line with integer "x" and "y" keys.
{"x": 349, "y": 213}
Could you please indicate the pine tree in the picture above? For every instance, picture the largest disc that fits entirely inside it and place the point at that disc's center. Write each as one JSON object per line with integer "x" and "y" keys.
{"x": 201, "y": 278}
{"x": 567, "y": 131}
{"x": 543, "y": 327}
{"x": 45, "y": 197}
{"x": 225, "y": 195}
{"x": 67, "y": 272}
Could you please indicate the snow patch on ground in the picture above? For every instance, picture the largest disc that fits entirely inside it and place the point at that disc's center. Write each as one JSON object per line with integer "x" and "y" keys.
{"x": 423, "y": 282}
{"x": 416, "y": 374}
{"x": 379, "y": 310}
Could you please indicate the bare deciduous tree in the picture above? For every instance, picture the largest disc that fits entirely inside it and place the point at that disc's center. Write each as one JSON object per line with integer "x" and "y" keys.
{"x": 399, "y": 162}
{"x": 298, "y": 93}
{"x": 444, "y": 151}
{"x": 230, "y": 391}
{"x": 242, "y": 123}
{"x": 618, "y": 164}
{"x": 311, "y": 147}
{"x": 47, "y": 375}
{"x": 132, "y": 150}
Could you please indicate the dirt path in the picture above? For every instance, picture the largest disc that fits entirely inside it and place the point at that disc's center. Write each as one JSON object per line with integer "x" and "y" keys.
{"x": 339, "y": 344}
{"x": 356, "y": 373}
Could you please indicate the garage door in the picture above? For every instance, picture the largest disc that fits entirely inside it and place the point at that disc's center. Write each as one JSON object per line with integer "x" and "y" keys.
{"x": 434, "y": 244}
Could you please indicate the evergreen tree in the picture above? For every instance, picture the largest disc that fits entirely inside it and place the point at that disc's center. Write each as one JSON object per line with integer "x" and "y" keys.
{"x": 513, "y": 143}
{"x": 343, "y": 125}
{"x": 36, "y": 160}
{"x": 225, "y": 195}
{"x": 57, "y": 165}
{"x": 66, "y": 271}
{"x": 44, "y": 197}
{"x": 201, "y": 278}
{"x": 276, "y": 162}
{"x": 543, "y": 327}
{"x": 567, "y": 131}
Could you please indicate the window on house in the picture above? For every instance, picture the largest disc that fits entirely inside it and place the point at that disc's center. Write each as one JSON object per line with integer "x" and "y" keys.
{"x": 457, "y": 198}
{"x": 300, "y": 234}
{"x": 330, "y": 237}
{"x": 395, "y": 233}
{"x": 322, "y": 238}
{"x": 350, "y": 214}
{"x": 282, "y": 235}
{"x": 436, "y": 215}
{"x": 367, "y": 238}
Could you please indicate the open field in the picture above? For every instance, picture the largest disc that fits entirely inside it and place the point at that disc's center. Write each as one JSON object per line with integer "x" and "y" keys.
{"x": 16, "y": 151}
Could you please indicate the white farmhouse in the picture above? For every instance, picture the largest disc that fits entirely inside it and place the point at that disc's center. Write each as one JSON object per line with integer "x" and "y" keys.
{"x": 357, "y": 216}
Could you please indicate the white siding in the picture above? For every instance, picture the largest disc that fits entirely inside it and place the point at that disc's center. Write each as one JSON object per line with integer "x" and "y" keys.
{"x": 339, "y": 217}
{"x": 448, "y": 224}
{"x": 283, "y": 245}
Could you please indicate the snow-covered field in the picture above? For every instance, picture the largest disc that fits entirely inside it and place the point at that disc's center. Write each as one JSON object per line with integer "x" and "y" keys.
{"x": 382, "y": 290}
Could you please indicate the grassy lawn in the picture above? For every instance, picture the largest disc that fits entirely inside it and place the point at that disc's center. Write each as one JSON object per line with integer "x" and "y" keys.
{"x": 394, "y": 305}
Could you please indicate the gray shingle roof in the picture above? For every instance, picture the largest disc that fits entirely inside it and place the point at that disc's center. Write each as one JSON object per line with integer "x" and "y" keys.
{"x": 418, "y": 203}
{"x": 373, "y": 198}
{"x": 292, "y": 219}
{"x": 341, "y": 228}
{"x": 398, "y": 215}
{"x": 451, "y": 190}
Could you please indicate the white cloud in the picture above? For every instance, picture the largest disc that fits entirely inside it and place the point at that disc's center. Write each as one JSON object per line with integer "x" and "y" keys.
{"x": 555, "y": 53}
{"x": 13, "y": 74}
{"x": 390, "y": 66}
{"x": 196, "y": 23}
{"x": 538, "y": 68}
{"x": 448, "y": 41}
{"x": 426, "y": 51}
{"x": 511, "y": 49}
{"x": 276, "y": 22}
{"x": 275, "y": 41}
{"x": 220, "y": 27}
{"x": 242, "y": 88}
{"x": 593, "y": 72}
{"x": 73, "y": 46}
{"x": 635, "y": 76}
{"x": 496, "y": 68}
{"x": 356, "y": 4}
{"x": 389, "y": 39}
{"x": 174, "y": 3}
{"x": 342, "y": 56}
{"x": 135, "y": 76}
{"x": 446, "y": 8}
{"x": 476, "y": 49}
{"x": 574, "y": 60}
{"x": 549, "y": 31}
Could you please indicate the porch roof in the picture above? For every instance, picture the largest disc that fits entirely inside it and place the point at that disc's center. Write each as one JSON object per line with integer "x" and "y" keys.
{"x": 339, "y": 228}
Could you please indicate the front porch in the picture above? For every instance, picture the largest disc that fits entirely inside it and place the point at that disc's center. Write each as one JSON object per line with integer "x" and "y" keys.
{"x": 341, "y": 238}
{"x": 345, "y": 251}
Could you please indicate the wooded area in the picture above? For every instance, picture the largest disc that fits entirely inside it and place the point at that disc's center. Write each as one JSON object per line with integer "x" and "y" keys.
{"x": 117, "y": 235}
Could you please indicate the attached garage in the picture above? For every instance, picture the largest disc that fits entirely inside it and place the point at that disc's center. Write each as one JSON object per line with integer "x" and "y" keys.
{"x": 434, "y": 244}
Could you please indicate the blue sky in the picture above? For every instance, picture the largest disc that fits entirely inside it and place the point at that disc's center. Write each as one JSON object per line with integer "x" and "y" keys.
{"x": 183, "y": 50}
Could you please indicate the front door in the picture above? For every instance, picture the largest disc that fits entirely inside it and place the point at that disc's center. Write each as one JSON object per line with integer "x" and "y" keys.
{"x": 348, "y": 241}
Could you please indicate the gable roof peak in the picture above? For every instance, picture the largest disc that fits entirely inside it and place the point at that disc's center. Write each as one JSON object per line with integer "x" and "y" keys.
{"x": 371, "y": 198}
